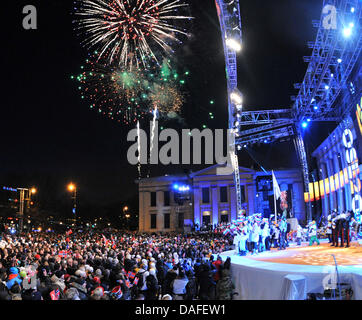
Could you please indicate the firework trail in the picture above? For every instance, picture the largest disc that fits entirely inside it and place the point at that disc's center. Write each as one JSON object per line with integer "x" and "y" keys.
{"x": 153, "y": 128}
{"x": 139, "y": 150}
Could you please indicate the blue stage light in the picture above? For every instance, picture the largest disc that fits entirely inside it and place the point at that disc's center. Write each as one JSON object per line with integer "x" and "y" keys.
{"x": 308, "y": 120}
{"x": 339, "y": 60}
{"x": 175, "y": 186}
{"x": 347, "y": 32}
{"x": 304, "y": 124}
{"x": 315, "y": 107}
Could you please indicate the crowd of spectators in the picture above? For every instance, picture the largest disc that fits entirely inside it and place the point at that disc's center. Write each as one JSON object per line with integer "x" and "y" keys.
{"x": 114, "y": 266}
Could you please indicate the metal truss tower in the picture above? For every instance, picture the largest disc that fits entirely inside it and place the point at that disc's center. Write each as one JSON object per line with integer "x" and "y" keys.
{"x": 324, "y": 90}
{"x": 230, "y": 23}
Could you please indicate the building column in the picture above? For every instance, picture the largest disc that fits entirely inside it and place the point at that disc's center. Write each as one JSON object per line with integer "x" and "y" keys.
{"x": 347, "y": 187}
{"x": 159, "y": 217}
{"x": 197, "y": 199}
{"x": 214, "y": 205}
{"x": 250, "y": 197}
{"x": 330, "y": 171}
{"x": 233, "y": 215}
{"x": 340, "y": 202}
{"x": 325, "y": 202}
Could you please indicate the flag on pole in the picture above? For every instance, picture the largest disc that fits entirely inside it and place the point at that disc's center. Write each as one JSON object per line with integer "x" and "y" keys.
{"x": 276, "y": 188}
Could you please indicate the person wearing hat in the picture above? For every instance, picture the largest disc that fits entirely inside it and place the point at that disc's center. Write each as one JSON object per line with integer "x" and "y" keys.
{"x": 312, "y": 231}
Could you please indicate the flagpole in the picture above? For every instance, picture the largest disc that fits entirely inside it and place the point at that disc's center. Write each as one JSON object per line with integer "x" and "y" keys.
{"x": 275, "y": 202}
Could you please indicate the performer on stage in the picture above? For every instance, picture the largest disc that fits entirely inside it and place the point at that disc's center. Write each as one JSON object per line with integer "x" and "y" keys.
{"x": 354, "y": 229}
{"x": 341, "y": 219}
{"x": 283, "y": 230}
{"x": 255, "y": 237}
{"x": 329, "y": 228}
{"x": 334, "y": 228}
{"x": 243, "y": 238}
{"x": 312, "y": 232}
{"x": 236, "y": 241}
{"x": 275, "y": 234}
{"x": 266, "y": 235}
{"x": 346, "y": 226}
{"x": 299, "y": 234}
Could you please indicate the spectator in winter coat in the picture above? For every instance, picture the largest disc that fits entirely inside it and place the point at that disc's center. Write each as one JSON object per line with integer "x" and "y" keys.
{"x": 225, "y": 287}
{"x": 13, "y": 277}
{"x": 191, "y": 287}
{"x": 207, "y": 284}
{"x": 151, "y": 292}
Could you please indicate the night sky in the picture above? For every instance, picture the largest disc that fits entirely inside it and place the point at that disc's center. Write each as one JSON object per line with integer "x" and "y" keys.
{"x": 49, "y": 136}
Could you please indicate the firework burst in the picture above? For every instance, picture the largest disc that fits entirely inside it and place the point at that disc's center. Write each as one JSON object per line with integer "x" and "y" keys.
{"x": 129, "y": 96}
{"x": 129, "y": 33}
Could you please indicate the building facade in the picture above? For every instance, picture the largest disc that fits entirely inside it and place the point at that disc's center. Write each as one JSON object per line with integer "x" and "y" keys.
{"x": 338, "y": 183}
{"x": 211, "y": 198}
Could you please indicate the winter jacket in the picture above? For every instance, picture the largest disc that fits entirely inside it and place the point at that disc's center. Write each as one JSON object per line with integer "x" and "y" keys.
{"x": 225, "y": 287}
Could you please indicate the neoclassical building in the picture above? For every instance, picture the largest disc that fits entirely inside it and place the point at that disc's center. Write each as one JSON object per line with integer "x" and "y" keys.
{"x": 210, "y": 198}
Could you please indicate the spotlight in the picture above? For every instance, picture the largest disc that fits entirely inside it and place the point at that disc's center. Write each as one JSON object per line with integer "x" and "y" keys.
{"x": 339, "y": 60}
{"x": 308, "y": 120}
{"x": 236, "y": 98}
{"x": 326, "y": 87}
{"x": 233, "y": 44}
{"x": 352, "y": 9}
{"x": 315, "y": 107}
{"x": 304, "y": 124}
{"x": 347, "y": 32}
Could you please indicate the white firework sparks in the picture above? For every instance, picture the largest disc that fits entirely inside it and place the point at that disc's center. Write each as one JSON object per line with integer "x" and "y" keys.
{"x": 128, "y": 32}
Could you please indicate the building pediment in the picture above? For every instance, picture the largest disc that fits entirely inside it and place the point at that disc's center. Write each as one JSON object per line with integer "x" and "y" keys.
{"x": 212, "y": 171}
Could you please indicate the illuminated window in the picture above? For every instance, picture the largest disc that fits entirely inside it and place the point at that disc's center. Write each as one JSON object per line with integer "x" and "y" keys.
{"x": 336, "y": 181}
{"x": 316, "y": 190}
{"x": 311, "y": 191}
{"x": 224, "y": 216}
{"x": 321, "y": 188}
{"x": 331, "y": 182}
{"x": 341, "y": 179}
{"x": 326, "y": 185}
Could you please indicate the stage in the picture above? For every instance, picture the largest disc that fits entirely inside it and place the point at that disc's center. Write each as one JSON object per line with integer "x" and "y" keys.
{"x": 262, "y": 276}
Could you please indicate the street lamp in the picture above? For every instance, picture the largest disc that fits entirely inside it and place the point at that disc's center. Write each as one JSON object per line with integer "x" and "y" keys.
{"x": 125, "y": 214}
{"x": 73, "y": 188}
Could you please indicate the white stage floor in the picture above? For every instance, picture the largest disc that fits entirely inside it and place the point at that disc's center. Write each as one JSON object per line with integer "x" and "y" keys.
{"x": 265, "y": 280}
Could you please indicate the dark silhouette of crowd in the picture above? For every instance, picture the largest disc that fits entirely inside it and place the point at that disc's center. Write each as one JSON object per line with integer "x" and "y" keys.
{"x": 114, "y": 266}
